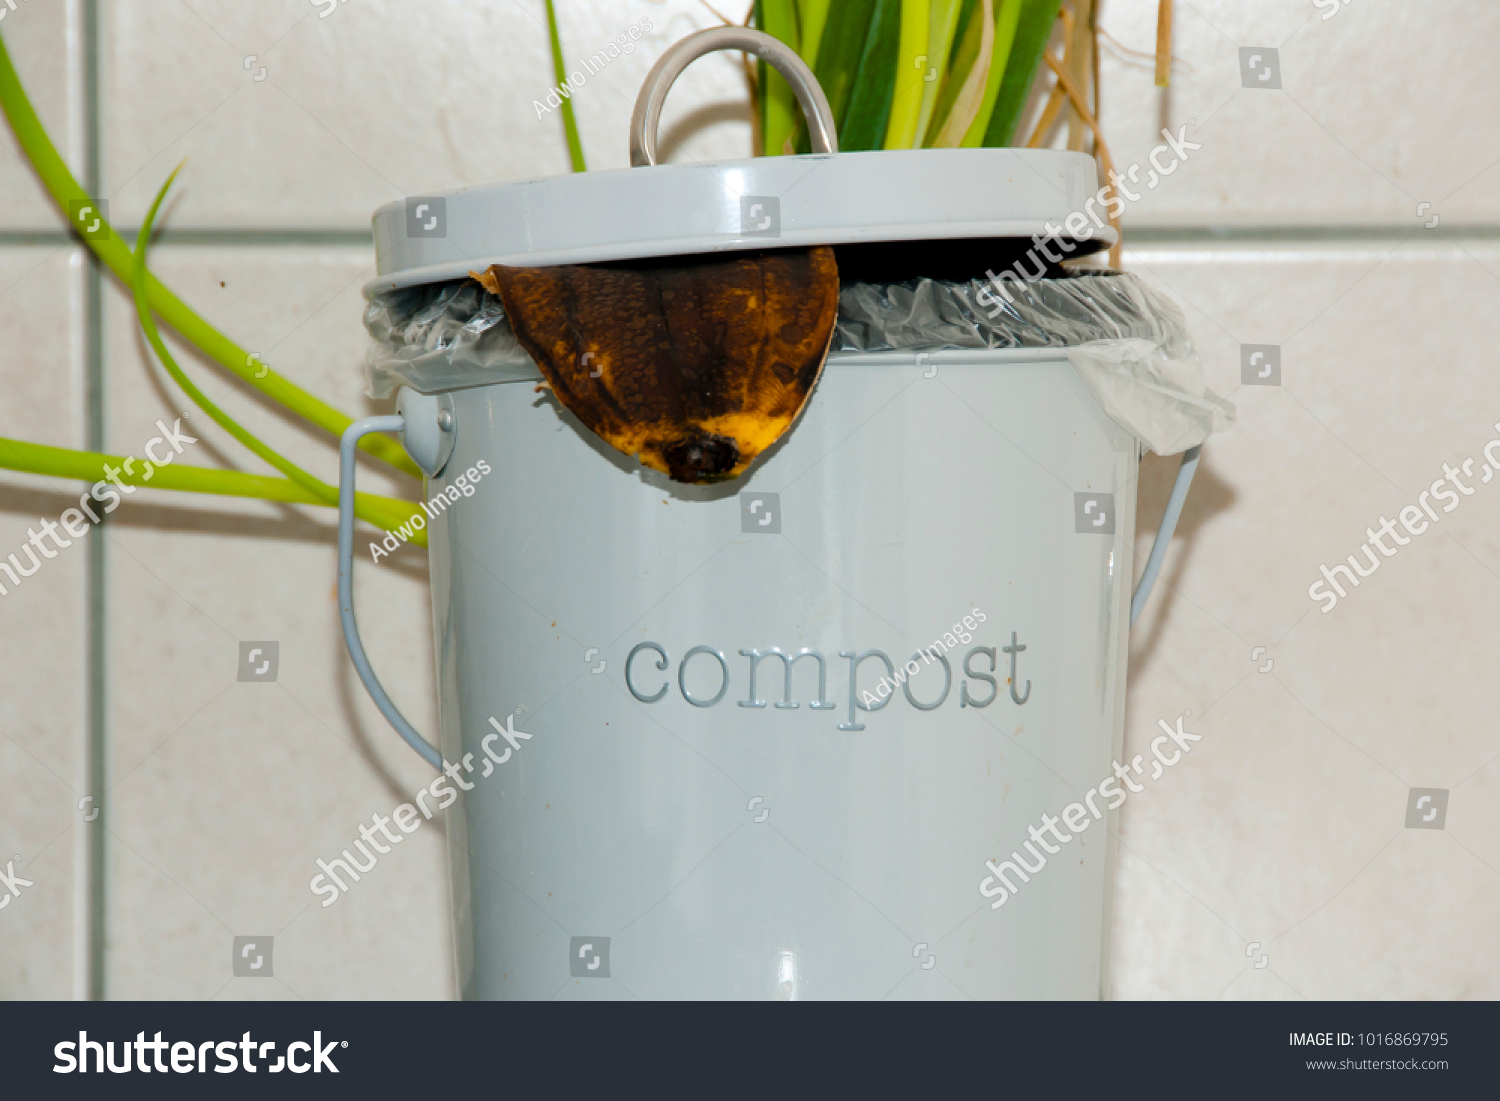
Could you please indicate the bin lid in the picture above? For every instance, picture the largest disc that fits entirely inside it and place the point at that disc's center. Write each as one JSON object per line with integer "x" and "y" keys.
{"x": 766, "y": 202}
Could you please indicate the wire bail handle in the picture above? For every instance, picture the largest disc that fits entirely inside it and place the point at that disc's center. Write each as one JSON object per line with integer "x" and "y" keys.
{"x": 645, "y": 120}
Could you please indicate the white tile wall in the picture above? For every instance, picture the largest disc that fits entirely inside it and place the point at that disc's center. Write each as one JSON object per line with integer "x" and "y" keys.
{"x": 43, "y": 46}
{"x": 380, "y": 99}
{"x": 1289, "y": 828}
{"x": 42, "y": 631}
{"x": 1379, "y": 110}
{"x": 226, "y": 793}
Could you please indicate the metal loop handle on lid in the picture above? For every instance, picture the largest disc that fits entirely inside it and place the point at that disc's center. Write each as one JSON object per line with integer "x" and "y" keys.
{"x": 646, "y": 117}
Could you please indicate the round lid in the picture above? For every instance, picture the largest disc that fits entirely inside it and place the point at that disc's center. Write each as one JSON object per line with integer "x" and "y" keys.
{"x": 767, "y": 202}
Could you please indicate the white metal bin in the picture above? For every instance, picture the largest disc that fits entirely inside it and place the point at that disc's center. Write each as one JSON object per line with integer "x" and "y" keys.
{"x": 718, "y": 797}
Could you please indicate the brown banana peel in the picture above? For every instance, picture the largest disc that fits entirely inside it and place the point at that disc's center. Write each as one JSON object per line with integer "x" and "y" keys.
{"x": 695, "y": 367}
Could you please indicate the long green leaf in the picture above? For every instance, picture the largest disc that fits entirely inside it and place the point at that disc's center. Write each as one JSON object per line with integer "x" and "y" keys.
{"x": 1032, "y": 34}
{"x": 559, "y": 73}
{"x": 964, "y": 52}
{"x": 839, "y": 54}
{"x": 89, "y": 466}
{"x": 912, "y": 64}
{"x": 113, "y": 251}
{"x": 869, "y": 111}
{"x": 970, "y": 95}
{"x": 942, "y": 23}
{"x": 1005, "y": 36}
{"x": 325, "y": 493}
{"x": 814, "y": 17}
{"x": 779, "y": 110}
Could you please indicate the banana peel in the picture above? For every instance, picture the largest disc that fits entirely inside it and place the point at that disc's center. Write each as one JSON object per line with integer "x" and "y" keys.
{"x": 694, "y": 367}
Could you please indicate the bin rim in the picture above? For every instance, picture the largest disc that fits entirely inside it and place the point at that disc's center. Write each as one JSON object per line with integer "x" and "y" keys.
{"x": 687, "y": 209}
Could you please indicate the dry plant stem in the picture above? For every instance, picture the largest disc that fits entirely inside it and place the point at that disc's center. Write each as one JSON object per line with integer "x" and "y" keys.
{"x": 1094, "y": 58}
{"x": 1048, "y": 117}
{"x": 720, "y": 16}
{"x": 1069, "y": 115}
{"x": 1059, "y": 96}
{"x": 1163, "y": 43}
{"x": 752, "y": 85}
{"x": 1101, "y": 149}
{"x": 1081, "y": 67}
{"x": 1126, "y": 53}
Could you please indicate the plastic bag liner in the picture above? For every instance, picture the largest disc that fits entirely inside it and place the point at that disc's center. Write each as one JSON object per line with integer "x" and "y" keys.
{"x": 1127, "y": 342}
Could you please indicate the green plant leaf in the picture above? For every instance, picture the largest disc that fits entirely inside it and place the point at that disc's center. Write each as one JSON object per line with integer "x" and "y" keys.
{"x": 964, "y": 51}
{"x": 869, "y": 110}
{"x": 970, "y": 96}
{"x": 912, "y": 65}
{"x": 942, "y": 23}
{"x": 113, "y": 251}
{"x": 839, "y": 54}
{"x": 89, "y": 466}
{"x": 814, "y": 17}
{"x": 326, "y": 494}
{"x": 559, "y": 73}
{"x": 1032, "y": 34}
{"x": 779, "y": 109}
{"x": 1005, "y": 35}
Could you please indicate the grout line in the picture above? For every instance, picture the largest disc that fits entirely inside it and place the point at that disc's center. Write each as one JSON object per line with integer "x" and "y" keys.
{"x": 230, "y": 237}
{"x": 355, "y": 237}
{"x": 1295, "y": 234}
{"x": 96, "y": 598}
{"x": 222, "y": 237}
{"x": 77, "y": 432}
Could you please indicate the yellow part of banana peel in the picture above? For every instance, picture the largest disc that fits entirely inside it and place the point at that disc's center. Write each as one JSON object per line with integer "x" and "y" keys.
{"x": 696, "y": 367}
